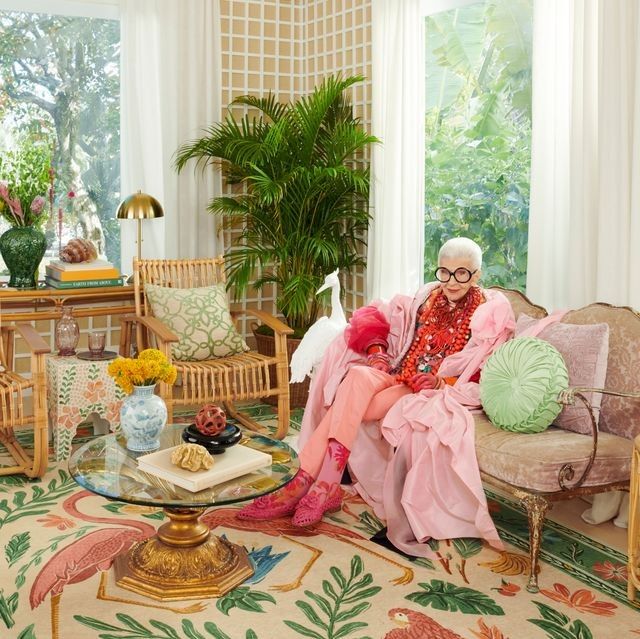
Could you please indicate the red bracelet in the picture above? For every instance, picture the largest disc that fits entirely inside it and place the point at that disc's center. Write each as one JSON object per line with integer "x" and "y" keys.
{"x": 376, "y": 348}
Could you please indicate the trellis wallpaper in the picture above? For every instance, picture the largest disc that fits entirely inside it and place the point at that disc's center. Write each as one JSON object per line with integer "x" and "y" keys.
{"x": 288, "y": 47}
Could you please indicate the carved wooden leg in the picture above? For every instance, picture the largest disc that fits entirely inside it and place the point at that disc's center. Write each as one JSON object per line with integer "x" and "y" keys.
{"x": 536, "y": 507}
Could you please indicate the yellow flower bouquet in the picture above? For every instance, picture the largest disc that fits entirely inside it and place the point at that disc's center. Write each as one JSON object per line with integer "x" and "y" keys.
{"x": 150, "y": 367}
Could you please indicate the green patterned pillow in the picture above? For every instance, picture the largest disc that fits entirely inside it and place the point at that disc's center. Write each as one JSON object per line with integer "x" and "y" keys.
{"x": 200, "y": 318}
{"x": 520, "y": 383}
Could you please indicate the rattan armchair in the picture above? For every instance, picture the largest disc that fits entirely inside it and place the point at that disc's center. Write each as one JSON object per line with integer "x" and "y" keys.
{"x": 224, "y": 380}
{"x": 13, "y": 388}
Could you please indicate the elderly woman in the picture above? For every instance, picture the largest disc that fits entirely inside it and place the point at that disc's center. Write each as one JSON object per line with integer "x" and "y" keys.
{"x": 392, "y": 397}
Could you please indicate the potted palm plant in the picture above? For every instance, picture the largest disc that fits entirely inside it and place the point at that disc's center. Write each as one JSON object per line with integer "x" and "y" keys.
{"x": 302, "y": 181}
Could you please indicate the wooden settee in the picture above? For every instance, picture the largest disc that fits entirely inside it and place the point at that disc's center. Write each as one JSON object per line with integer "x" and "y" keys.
{"x": 539, "y": 469}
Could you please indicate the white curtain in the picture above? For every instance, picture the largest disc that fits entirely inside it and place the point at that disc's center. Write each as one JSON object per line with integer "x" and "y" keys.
{"x": 584, "y": 224}
{"x": 395, "y": 255}
{"x": 170, "y": 79}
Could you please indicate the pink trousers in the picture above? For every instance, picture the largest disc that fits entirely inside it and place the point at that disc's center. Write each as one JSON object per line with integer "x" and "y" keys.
{"x": 364, "y": 394}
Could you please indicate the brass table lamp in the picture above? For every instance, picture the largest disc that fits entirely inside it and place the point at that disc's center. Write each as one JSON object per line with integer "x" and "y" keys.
{"x": 139, "y": 206}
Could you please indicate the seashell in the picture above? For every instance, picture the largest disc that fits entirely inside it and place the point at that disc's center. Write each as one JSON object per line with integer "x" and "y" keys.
{"x": 211, "y": 420}
{"x": 78, "y": 250}
{"x": 192, "y": 457}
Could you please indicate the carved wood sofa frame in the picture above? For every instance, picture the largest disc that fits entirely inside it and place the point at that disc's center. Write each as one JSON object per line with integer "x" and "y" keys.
{"x": 604, "y": 447}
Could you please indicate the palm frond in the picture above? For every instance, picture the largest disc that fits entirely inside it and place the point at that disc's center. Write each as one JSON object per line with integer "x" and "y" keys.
{"x": 303, "y": 209}
{"x": 268, "y": 105}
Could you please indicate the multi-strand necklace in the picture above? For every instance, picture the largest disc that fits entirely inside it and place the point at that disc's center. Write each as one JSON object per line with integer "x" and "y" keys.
{"x": 442, "y": 330}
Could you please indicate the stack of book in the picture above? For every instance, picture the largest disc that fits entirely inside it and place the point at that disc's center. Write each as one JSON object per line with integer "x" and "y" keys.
{"x": 94, "y": 273}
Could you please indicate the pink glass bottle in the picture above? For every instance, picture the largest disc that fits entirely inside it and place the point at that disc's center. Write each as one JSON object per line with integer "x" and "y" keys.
{"x": 67, "y": 332}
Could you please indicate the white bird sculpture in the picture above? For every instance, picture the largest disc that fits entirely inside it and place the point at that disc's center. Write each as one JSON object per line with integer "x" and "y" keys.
{"x": 311, "y": 349}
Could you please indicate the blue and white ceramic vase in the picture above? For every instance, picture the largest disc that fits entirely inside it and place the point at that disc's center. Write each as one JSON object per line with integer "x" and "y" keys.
{"x": 143, "y": 415}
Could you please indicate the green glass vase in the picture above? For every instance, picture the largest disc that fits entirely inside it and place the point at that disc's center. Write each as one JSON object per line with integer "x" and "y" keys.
{"x": 22, "y": 249}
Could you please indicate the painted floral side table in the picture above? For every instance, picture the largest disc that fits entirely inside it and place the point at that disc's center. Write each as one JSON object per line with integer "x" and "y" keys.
{"x": 77, "y": 390}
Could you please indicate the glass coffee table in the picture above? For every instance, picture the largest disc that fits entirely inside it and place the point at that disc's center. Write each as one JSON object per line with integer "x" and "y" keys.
{"x": 184, "y": 560}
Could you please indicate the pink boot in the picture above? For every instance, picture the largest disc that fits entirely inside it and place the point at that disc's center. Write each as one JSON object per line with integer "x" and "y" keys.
{"x": 325, "y": 495}
{"x": 280, "y": 502}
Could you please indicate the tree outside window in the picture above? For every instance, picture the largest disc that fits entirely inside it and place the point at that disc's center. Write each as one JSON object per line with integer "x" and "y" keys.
{"x": 478, "y": 134}
{"x": 60, "y": 86}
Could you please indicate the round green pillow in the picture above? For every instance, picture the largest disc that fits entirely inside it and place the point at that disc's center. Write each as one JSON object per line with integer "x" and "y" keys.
{"x": 520, "y": 383}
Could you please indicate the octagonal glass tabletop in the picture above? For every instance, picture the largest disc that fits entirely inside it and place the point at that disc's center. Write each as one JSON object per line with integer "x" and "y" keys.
{"x": 106, "y": 467}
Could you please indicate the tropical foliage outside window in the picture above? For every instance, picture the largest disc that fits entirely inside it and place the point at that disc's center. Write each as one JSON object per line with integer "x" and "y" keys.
{"x": 60, "y": 88}
{"x": 478, "y": 134}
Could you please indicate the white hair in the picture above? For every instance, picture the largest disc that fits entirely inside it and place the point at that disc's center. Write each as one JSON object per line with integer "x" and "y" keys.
{"x": 461, "y": 247}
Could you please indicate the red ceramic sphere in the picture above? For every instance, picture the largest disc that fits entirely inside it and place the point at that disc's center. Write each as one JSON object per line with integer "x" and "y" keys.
{"x": 211, "y": 420}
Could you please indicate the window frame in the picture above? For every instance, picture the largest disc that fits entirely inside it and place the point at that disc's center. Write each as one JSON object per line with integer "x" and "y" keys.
{"x": 94, "y": 9}
{"x": 430, "y": 8}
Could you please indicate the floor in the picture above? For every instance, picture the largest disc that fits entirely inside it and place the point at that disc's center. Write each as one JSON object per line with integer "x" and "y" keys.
{"x": 568, "y": 513}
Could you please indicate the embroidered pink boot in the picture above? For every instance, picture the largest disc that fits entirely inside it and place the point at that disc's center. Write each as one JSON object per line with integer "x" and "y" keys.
{"x": 280, "y": 502}
{"x": 325, "y": 495}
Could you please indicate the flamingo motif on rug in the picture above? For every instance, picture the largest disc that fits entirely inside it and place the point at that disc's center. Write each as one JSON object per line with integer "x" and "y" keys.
{"x": 87, "y": 556}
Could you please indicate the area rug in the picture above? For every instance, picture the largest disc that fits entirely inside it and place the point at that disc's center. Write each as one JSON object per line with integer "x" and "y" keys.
{"x": 327, "y": 582}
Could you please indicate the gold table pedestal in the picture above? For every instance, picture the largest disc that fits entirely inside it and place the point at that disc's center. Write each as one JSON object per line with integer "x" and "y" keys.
{"x": 183, "y": 561}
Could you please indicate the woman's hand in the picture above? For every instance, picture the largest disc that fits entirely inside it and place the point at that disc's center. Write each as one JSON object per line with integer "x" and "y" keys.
{"x": 424, "y": 381}
{"x": 380, "y": 361}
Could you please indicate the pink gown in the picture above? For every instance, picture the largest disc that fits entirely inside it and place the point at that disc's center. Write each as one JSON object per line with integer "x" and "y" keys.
{"x": 413, "y": 456}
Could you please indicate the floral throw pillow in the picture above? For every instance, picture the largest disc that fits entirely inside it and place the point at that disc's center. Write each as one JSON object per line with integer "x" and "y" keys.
{"x": 585, "y": 349}
{"x": 200, "y": 318}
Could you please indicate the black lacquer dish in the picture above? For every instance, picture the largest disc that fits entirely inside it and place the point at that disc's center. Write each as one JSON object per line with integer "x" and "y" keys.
{"x": 215, "y": 444}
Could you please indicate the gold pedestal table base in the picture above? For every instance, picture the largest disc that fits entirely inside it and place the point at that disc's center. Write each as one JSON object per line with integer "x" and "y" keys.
{"x": 183, "y": 561}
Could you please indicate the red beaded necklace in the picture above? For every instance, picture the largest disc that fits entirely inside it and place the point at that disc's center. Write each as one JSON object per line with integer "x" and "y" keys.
{"x": 442, "y": 330}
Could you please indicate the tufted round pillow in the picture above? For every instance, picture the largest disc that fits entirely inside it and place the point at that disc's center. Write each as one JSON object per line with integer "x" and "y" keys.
{"x": 520, "y": 383}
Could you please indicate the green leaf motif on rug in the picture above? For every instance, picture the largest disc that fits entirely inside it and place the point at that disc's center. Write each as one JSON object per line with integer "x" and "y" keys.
{"x": 27, "y": 633}
{"x": 554, "y": 624}
{"x": 132, "y": 629}
{"x": 41, "y": 500}
{"x": 466, "y": 547}
{"x": 574, "y": 554}
{"x": 17, "y": 547}
{"x": 243, "y": 598}
{"x": 350, "y": 596}
{"x": 443, "y": 595}
{"x": 8, "y": 605}
{"x": 8, "y": 481}
{"x": 369, "y": 523}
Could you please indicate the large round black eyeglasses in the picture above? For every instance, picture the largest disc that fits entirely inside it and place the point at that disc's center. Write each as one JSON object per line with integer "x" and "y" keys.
{"x": 460, "y": 275}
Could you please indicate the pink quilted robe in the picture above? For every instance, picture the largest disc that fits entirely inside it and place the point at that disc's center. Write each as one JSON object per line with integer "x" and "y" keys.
{"x": 418, "y": 468}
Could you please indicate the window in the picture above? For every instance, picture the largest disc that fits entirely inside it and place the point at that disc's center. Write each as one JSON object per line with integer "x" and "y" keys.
{"x": 478, "y": 132}
{"x": 60, "y": 98}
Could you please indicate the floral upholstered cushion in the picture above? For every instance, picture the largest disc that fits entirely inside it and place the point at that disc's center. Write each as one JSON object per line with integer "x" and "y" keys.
{"x": 534, "y": 462}
{"x": 520, "y": 384}
{"x": 200, "y": 318}
{"x": 585, "y": 349}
